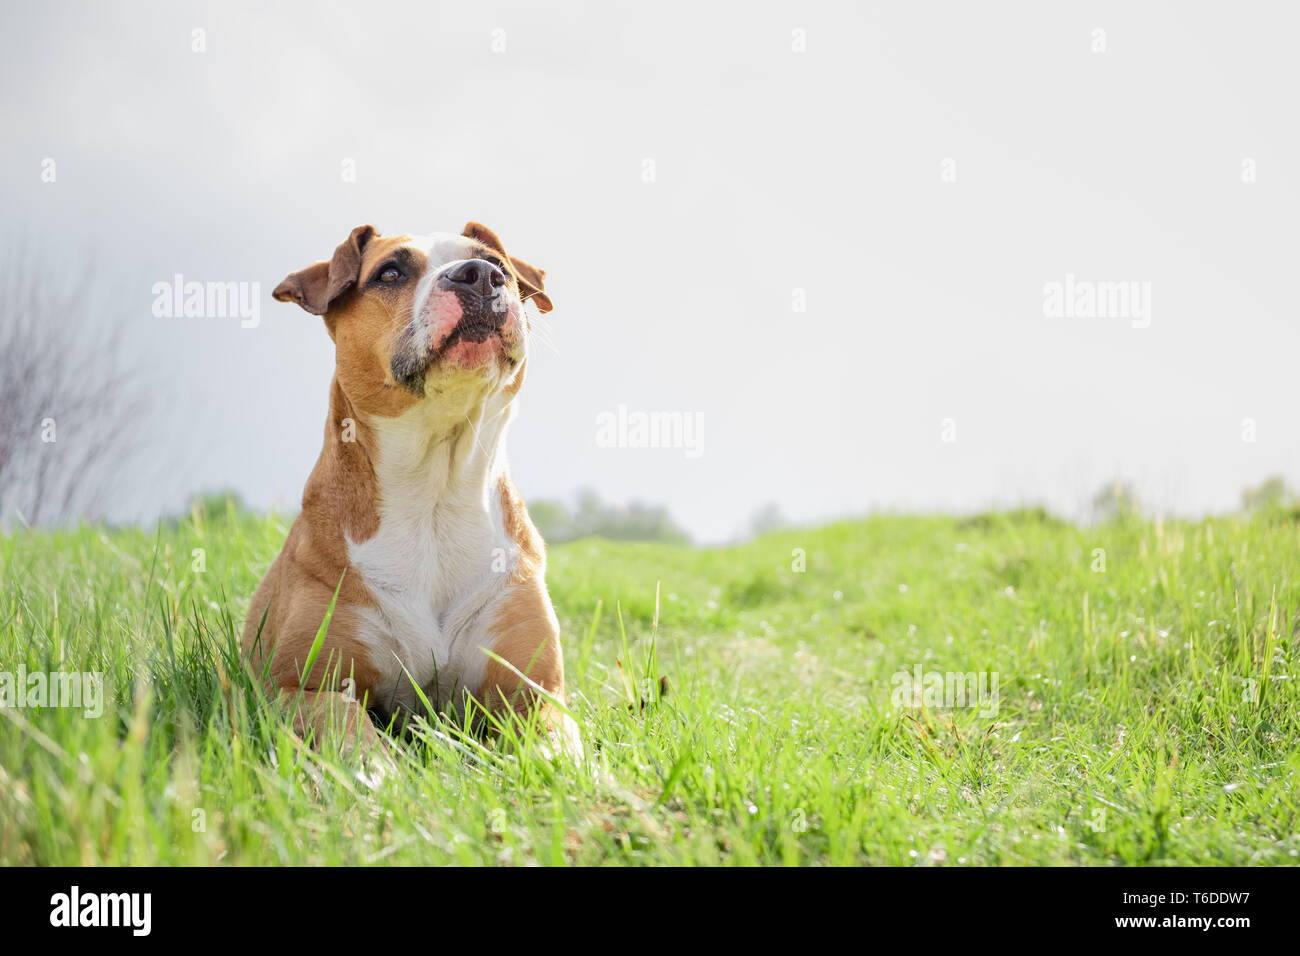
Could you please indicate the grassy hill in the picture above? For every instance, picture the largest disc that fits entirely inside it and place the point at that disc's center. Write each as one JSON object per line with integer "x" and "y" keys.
{"x": 1146, "y": 708}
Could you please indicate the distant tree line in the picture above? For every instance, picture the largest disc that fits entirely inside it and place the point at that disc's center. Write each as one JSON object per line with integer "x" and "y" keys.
{"x": 591, "y": 517}
{"x": 1117, "y": 500}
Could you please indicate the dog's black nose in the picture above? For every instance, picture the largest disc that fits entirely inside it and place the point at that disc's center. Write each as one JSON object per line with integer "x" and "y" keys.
{"x": 476, "y": 275}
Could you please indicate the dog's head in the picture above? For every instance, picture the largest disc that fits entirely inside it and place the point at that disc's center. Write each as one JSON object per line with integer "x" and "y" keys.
{"x": 422, "y": 318}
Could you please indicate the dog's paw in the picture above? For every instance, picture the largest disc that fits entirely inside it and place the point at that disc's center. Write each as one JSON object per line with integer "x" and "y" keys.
{"x": 376, "y": 765}
{"x": 563, "y": 740}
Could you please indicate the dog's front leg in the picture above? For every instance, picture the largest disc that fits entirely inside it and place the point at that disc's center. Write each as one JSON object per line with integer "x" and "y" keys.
{"x": 526, "y": 636}
{"x": 326, "y": 713}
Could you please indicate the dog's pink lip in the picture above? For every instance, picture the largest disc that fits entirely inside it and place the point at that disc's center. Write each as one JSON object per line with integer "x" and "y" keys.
{"x": 482, "y": 325}
{"x": 455, "y": 339}
{"x": 471, "y": 335}
{"x": 456, "y": 346}
{"x": 471, "y": 354}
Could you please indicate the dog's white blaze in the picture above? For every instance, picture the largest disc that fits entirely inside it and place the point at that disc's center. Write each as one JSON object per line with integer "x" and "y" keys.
{"x": 433, "y": 566}
{"x": 437, "y": 566}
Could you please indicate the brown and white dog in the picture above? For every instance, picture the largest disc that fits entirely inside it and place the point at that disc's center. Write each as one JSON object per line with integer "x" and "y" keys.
{"x": 410, "y": 504}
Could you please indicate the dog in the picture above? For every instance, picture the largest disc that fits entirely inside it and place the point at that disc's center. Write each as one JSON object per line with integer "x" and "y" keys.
{"x": 409, "y": 513}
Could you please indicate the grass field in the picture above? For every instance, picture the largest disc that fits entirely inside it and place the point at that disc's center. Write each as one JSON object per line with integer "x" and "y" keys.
{"x": 1147, "y": 710}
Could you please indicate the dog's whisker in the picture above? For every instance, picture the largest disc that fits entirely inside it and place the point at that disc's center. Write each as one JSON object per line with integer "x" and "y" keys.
{"x": 474, "y": 430}
{"x": 545, "y": 333}
{"x": 546, "y": 340}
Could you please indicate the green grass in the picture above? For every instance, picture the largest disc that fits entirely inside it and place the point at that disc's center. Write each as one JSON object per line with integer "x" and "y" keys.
{"x": 1148, "y": 713}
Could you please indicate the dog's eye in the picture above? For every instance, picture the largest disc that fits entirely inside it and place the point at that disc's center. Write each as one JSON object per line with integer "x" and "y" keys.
{"x": 389, "y": 273}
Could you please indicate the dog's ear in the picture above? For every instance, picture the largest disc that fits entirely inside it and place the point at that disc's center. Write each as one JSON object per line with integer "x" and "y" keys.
{"x": 481, "y": 233}
{"x": 316, "y": 287}
{"x": 530, "y": 284}
{"x": 530, "y": 277}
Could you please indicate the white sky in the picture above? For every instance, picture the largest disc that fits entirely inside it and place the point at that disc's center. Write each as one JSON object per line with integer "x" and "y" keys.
{"x": 775, "y": 170}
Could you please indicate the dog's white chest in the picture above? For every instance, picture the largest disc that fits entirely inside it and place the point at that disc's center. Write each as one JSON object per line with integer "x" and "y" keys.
{"x": 439, "y": 560}
{"x": 434, "y": 574}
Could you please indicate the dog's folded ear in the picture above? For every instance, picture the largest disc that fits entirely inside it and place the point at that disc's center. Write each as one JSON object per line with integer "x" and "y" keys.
{"x": 530, "y": 284}
{"x": 316, "y": 287}
{"x": 530, "y": 277}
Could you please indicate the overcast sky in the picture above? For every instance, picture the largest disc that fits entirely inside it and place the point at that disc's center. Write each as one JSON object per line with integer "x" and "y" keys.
{"x": 914, "y": 176}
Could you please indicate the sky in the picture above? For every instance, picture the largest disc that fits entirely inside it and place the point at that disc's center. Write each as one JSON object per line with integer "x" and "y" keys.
{"x": 828, "y": 235}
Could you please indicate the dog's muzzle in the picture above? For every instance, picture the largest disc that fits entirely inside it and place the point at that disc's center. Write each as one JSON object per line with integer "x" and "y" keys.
{"x": 482, "y": 299}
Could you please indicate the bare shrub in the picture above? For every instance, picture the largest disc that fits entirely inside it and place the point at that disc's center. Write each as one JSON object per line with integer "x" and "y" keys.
{"x": 69, "y": 403}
